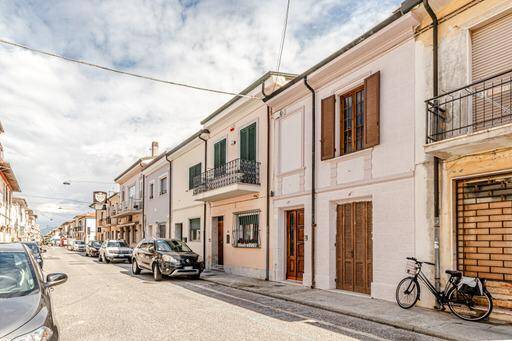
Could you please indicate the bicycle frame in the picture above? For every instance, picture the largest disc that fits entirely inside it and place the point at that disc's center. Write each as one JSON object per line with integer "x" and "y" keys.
{"x": 441, "y": 296}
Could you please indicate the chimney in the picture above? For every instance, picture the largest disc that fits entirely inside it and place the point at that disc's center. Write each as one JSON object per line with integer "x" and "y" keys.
{"x": 154, "y": 149}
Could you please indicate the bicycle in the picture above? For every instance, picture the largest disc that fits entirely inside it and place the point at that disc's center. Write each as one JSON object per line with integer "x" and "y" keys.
{"x": 470, "y": 304}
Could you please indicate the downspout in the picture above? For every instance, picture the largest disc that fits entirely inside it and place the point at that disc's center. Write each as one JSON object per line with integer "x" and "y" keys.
{"x": 204, "y": 203}
{"x": 170, "y": 194}
{"x": 313, "y": 184}
{"x": 267, "y": 214}
{"x": 435, "y": 91}
{"x": 143, "y": 206}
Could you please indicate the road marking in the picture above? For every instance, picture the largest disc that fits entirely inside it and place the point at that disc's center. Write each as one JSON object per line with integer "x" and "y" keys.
{"x": 306, "y": 318}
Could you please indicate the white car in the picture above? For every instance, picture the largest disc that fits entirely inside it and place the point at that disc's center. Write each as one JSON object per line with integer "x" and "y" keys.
{"x": 114, "y": 250}
{"x": 78, "y": 245}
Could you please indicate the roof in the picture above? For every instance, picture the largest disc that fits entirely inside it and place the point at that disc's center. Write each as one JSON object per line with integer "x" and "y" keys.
{"x": 405, "y": 7}
{"x": 12, "y": 247}
{"x": 113, "y": 195}
{"x": 6, "y": 169}
{"x": 136, "y": 163}
{"x": 187, "y": 141}
{"x": 245, "y": 91}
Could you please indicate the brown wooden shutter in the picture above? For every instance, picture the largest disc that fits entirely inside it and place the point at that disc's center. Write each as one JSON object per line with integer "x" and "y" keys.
{"x": 372, "y": 110}
{"x": 327, "y": 141}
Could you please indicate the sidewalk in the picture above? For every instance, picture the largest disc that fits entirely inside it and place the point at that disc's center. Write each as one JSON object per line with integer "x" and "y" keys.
{"x": 425, "y": 321}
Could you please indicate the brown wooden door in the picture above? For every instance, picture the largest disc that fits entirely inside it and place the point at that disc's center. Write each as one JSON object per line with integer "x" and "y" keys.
{"x": 295, "y": 244}
{"x": 220, "y": 241}
{"x": 354, "y": 247}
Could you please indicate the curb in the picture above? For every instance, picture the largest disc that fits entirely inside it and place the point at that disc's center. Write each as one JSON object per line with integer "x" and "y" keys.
{"x": 403, "y": 326}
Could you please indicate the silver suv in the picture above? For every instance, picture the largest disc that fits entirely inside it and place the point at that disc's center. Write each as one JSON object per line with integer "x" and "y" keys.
{"x": 114, "y": 250}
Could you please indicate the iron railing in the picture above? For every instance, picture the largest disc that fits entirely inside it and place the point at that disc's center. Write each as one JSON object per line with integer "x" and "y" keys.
{"x": 233, "y": 172}
{"x": 475, "y": 107}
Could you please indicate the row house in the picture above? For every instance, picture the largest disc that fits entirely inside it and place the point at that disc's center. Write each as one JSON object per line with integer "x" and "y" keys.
{"x": 129, "y": 211}
{"x": 464, "y": 98}
{"x": 105, "y": 223}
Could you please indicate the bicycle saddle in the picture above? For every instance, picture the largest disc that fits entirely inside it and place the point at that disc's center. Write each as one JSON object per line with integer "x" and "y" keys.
{"x": 454, "y": 273}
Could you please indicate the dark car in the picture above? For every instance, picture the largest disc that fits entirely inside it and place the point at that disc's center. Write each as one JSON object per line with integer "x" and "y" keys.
{"x": 36, "y": 252}
{"x": 170, "y": 257}
{"x": 25, "y": 306}
{"x": 92, "y": 248}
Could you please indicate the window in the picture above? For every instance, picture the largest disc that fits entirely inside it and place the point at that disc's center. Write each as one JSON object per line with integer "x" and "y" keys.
{"x": 151, "y": 190}
{"x": 163, "y": 185}
{"x": 219, "y": 153}
{"x": 248, "y": 143}
{"x": 195, "y": 229}
{"x": 193, "y": 172}
{"x": 131, "y": 192}
{"x": 161, "y": 230}
{"x": 246, "y": 232}
{"x": 140, "y": 188}
{"x": 352, "y": 117}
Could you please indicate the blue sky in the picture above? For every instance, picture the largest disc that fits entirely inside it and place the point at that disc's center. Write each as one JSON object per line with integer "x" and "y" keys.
{"x": 65, "y": 121}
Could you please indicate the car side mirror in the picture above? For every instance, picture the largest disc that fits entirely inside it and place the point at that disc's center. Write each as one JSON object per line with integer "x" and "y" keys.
{"x": 151, "y": 248}
{"x": 55, "y": 279}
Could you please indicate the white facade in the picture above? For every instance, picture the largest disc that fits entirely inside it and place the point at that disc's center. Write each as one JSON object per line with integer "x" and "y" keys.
{"x": 383, "y": 174}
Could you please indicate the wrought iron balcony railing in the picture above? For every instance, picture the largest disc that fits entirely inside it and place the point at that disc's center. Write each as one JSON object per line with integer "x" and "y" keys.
{"x": 233, "y": 172}
{"x": 478, "y": 106}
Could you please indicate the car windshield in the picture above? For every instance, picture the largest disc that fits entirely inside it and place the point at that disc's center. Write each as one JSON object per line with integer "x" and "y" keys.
{"x": 33, "y": 247}
{"x": 17, "y": 277}
{"x": 95, "y": 244}
{"x": 117, "y": 244}
{"x": 172, "y": 245}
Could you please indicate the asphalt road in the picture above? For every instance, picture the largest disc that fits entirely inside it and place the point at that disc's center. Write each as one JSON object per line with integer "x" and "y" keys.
{"x": 105, "y": 302}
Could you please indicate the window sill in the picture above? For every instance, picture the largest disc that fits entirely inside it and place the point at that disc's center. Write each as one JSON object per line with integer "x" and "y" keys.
{"x": 350, "y": 156}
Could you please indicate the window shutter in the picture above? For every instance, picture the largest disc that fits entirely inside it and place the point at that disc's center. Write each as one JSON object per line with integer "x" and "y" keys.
{"x": 372, "y": 110}
{"x": 243, "y": 144}
{"x": 252, "y": 142}
{"x": 248, "y": 143}
{"x": 327, "y": 127}
{"x": 222, "y": 152}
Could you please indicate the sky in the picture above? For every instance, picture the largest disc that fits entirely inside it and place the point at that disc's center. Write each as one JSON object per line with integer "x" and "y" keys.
{"x": 68, "y": 122}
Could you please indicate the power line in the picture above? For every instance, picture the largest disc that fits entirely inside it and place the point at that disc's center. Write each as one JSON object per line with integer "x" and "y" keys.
{"x": 283, "y": 35}
{"x": 106, "y": 68}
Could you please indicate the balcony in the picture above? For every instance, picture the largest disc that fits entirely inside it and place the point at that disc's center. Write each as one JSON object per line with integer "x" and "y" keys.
{"x": 471, "y": 119}
{"x": 130, "y": 206}
{"x": 235, "y": 178}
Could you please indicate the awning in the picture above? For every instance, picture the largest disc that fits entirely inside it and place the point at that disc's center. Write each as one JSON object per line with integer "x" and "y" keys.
{"x": 6, "y": 169}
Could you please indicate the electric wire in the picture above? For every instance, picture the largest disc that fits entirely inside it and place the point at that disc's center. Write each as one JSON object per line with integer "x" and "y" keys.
{"x": 131, "y": 74}
{"x": 283, "y": 38}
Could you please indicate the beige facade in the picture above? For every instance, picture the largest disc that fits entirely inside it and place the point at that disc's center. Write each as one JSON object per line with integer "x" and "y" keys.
{"x": 472, "y": 139}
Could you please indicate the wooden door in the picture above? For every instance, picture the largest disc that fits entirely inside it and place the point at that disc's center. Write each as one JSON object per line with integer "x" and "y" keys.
{"x": 354, "y": 247}
{"x": 220, "y": 241}
{"x": 295, "y": 244}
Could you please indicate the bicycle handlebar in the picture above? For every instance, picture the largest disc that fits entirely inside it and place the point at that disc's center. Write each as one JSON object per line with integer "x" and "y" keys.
{"x": 417, "y": 261}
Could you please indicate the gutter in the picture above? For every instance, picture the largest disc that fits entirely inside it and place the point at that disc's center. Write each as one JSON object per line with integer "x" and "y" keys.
{"x": 313, "y": 174}
{"x": 267, "y": 201}
{"x": 170, "y": 193}
{"x": 204, "y": 203}
{"x": 435, "y": 90}
{"x": 143, "y": 206}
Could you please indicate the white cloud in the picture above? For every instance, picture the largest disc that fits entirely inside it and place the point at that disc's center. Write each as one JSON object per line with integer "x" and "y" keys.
{"x": 65, "y": 121}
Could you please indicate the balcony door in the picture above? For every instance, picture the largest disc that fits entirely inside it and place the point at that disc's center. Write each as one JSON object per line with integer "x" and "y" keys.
{"x": 248, "y": 143}
{"x": 219, "y": 157}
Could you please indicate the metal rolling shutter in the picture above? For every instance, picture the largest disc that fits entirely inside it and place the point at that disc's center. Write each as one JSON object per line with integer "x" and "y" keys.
{"x": 492, "y": 48}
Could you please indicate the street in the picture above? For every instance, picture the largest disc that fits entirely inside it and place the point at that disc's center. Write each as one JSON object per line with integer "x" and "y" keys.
{"x": 105, "y": 302}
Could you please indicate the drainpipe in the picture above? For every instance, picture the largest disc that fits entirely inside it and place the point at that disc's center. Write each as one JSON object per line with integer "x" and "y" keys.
{"x": 313, "y": 185}
{"x": 143, "y": 206}
{"x": 204, "y": 203}
{"x": 170, "y": 193}
{"x": 267, "y": 214}
{"x": 435, "y": 90}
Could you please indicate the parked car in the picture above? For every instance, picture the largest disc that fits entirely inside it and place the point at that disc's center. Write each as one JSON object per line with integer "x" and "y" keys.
{"x": 25, "y": 305}
{"x": 36, "y": 252}
{"x": 169, "y": 257}
{"x": 78, "y": 245}
{"x": 114, "y": 250}
{"x": 69, "y": 245}
{"x": 92, "y": 248}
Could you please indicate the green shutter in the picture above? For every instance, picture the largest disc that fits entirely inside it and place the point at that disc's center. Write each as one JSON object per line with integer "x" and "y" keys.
{"x": 248, "y": 143}
{"x": 219, "y": 153}
{"x": 192, "y": 173}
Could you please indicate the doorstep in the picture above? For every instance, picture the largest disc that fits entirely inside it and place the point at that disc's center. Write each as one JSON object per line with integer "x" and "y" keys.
{"x": 421, "y": 320}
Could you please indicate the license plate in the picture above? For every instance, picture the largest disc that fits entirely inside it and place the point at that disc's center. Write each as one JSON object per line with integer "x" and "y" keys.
{"x": 188, "y": 268}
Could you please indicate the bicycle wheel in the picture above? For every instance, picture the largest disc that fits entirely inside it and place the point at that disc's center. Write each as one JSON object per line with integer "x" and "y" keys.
{"x": 469, "y": 307}
{"x": 407, "y": 292}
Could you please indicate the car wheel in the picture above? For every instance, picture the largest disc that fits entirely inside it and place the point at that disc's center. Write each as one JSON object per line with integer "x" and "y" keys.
{"x": 135, "y": 267}
{"x": 99, "y": 259}
{"x": 157, "y": 275}
{"x": 198, "y": 276}
{"x": 106, "y": 259}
